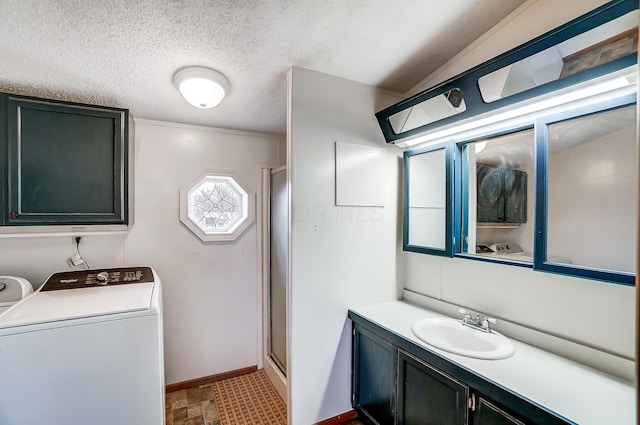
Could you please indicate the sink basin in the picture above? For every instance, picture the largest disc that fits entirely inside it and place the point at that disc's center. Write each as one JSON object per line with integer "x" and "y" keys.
{"x": 452, "y": 336}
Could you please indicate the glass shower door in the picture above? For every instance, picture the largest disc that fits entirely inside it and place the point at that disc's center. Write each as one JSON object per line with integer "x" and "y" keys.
{"x": 278, "y": 266}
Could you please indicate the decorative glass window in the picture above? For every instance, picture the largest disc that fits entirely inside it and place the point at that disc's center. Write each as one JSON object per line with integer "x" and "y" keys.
{"x": 217, "y": 207}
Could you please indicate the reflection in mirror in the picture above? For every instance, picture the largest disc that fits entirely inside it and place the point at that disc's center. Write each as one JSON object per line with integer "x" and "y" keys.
{"x": 431, "y": 110}
{"x": 603, "y": 44}
{"x": 592, "y": 186}
{"x": 427, "y": 200}
{"x": 498, "y": 197}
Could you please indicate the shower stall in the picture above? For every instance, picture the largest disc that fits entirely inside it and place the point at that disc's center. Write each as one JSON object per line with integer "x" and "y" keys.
{"x": 275, "y": 276}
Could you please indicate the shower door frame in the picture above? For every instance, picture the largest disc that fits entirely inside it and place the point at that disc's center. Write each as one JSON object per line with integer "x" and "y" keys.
{"x": 271, "y": 367}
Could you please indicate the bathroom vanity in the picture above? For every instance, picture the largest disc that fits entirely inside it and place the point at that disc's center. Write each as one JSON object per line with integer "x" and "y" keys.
{"x": 398, "y": 379}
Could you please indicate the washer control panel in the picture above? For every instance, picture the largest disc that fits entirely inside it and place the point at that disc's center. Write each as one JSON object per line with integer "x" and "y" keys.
{"x": 98, "y": 277}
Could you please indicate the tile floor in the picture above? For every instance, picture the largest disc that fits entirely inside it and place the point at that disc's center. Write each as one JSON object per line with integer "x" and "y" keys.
{"x": 193, "y": 406}
{"x": 196, "y": 406}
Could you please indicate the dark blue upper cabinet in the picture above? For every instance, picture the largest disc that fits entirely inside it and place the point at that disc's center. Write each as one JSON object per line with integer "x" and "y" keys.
{"x": 597, "y": 43}
{"x": 65, "y": 163}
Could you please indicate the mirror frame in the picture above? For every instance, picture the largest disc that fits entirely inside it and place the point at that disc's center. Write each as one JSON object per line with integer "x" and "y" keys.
{"x": 540, "y": 194}
{"x": 461, "y": 184}
{"x": 540, "y": 261}
{"x": 467, "y": 81}
{"x": 448, "y": 250}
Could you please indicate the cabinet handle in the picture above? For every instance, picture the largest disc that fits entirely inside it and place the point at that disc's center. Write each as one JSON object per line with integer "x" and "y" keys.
{"x": 472, "y": 403}
{"x": 13, "y": 215}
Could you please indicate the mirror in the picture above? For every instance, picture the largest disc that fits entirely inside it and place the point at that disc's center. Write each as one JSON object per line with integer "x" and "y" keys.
{"x": 592, "y": 180}
{"x": 431, "y": 110}
{"x": 498, "y": 197}
{"x": 427, "y": 200}
{"x": 603, "y": 44}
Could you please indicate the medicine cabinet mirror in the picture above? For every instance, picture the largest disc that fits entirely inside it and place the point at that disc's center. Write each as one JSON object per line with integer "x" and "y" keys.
{"x": 559, "y": 192}
{"x": 497, "y": 197}
{"x": 557, "y": 195}
{"x": 591, "y": 186}
{"x": 427, "y": 198}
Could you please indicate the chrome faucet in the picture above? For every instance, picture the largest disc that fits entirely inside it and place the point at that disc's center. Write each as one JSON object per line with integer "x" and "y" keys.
{"x": 473, "y": 320}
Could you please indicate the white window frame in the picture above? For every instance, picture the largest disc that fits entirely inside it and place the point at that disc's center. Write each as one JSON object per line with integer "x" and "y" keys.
{"x": 207, "y": 234}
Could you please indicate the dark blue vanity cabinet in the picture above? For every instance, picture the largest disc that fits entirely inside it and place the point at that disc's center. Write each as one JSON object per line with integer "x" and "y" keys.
{"x": 374, "y": 372}
{"x": 397, "y": 382}
{"x": 63, "y": 163}
{"x": 426, "y": 395}
{"x": 485, "y": 413}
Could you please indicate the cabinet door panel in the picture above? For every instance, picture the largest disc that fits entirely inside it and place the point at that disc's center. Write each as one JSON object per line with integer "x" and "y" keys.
{"x": 428, "y": 396}
{"x": 374, "y": 377}
{"x": 488, "y": 414}
{"x": 490, "y": 194}
{"x": 66, "y": 163}
{"x": 515, "y": 203}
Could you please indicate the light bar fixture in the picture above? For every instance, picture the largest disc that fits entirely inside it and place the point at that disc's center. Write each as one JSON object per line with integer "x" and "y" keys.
{"x": 615, "y": 84}
{"x": 202, "y": 87}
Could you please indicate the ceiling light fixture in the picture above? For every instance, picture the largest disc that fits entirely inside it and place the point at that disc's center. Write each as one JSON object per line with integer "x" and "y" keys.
{"x": 202, "y": 87}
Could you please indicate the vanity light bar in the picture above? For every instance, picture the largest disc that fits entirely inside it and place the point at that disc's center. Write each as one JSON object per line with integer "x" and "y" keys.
{"x": 613, "y": 85}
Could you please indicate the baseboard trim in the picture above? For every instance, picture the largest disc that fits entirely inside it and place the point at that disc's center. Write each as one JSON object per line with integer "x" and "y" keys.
{"x": 209, "y": 379}
{"x": 340, "y": 419}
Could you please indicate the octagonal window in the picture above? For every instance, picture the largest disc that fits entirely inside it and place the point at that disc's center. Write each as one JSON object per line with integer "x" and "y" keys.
{"x": 216, "y": 207}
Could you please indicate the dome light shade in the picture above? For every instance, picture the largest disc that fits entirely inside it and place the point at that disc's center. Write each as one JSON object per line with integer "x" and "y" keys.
{"x": 202, "y": 87}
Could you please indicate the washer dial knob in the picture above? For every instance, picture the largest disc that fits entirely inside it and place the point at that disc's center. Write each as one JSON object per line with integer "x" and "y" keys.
{"x": 102, "y": 278}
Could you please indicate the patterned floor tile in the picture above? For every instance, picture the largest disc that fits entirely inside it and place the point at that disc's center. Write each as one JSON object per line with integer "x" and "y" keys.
{"x": 244, "y": 400}
{"x": 198, "y": 420}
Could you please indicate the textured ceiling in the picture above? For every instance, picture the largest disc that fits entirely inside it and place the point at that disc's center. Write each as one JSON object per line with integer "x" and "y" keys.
{"x": 123, "y": 53}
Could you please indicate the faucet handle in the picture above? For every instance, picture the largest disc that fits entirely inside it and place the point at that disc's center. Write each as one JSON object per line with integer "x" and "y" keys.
{"x": 487, "y": 322}
{"x": 467, "y": 313}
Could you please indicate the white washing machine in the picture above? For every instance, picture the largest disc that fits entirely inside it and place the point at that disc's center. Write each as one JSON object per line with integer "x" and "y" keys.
{"x": 12, "y": 290}
{"x": 85, "y": 348}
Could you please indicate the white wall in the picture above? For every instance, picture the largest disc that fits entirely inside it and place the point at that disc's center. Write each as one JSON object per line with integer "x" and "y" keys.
{"x": 593, "y": 313}
{"x": 35, "y": 258}
{"x": 210, "y": 290}
{"x": 341, "y": 257}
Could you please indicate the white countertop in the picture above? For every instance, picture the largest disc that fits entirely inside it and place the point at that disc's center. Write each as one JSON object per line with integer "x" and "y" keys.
{"x": 572, "y": 390}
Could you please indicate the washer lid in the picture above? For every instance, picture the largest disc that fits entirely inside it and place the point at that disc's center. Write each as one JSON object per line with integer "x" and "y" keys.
{"x": 55, "y": 306}
{"x": 13, "y": 289}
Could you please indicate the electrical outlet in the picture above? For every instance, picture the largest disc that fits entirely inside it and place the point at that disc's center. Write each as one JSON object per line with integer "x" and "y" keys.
{"x": 75, "y": 260}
